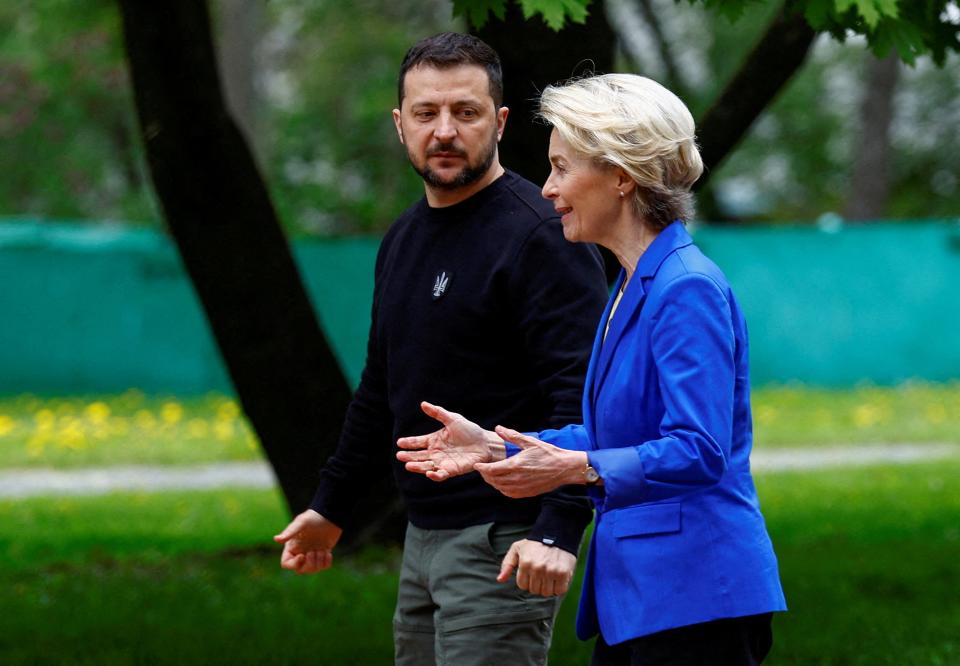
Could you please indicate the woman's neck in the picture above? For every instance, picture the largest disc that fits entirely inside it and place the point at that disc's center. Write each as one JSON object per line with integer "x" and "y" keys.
{"x": 629, "y": 245}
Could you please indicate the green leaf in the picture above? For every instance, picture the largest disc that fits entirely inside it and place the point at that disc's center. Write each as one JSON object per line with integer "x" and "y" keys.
{"x": 871, "y": 10}
{"x": 556, "y": 12}
{"x": 477, "y": 11}
{"x": 819, "y": 13}
{"x": 903, "y": 36}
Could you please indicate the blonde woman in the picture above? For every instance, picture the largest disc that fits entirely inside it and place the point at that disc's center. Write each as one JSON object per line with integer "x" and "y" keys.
{"x": 681, "y": 569}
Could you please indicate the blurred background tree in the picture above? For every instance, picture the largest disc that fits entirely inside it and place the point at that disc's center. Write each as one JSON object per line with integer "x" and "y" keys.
{"x": 330, "y": 153}
{"x": 69, "y": 137}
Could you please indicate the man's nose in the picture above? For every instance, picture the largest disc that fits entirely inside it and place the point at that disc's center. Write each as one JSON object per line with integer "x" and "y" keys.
{"x": 446, "y": 128}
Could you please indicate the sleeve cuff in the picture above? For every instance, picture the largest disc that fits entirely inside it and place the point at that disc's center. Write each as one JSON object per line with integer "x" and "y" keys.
{"x": 621, "y": 469}
{"x": 326, "y": 504}
{"x": 562, "y": 526}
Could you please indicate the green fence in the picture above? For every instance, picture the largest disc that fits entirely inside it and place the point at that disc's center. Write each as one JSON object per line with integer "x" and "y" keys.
{"x": 102, "y": 308}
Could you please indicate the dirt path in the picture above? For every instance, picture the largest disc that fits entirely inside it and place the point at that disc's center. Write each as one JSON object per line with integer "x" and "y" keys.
{"x": 21, "y": 483}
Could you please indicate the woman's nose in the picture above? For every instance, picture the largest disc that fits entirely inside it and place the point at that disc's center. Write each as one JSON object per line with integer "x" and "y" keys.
{"x": 549, "y": 191}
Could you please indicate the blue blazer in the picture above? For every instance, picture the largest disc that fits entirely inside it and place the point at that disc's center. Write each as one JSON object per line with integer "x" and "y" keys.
{"x": 679, "y": 537}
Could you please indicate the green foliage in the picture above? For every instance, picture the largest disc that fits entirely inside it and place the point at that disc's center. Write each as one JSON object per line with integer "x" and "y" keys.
{"x": 795, "y": 163}
{"x": 327, "y": 71}
{"x": 70, "y": 147}
{"x": 912, "y": 28}
{"x": 478, "y": 11}
{"x": 555, "y": 13}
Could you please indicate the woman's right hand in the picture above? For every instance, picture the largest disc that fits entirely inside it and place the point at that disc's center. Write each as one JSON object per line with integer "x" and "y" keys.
{"x": 451, "y": 451}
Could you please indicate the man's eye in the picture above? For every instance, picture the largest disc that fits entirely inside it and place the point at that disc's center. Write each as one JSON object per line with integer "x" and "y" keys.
{"x": 424, "y": 115}
{"x": 468, "y": 113}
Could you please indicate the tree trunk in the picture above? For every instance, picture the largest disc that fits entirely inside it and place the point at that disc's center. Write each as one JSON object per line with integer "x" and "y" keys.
{"x": 765, "y": 71}
{"x": 219, "y": 213}
{"x": 870, "y": 184}
{"x": 533, "y": 56}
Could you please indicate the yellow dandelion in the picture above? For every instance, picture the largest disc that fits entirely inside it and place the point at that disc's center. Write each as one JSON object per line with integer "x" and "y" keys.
{"x": 6, "y": 425}
{"x": 223, "y": 430}
{"x": 72, "y": 437}
{"x": 228, "y": 410}
{"x": 44, "y": 419}
{"x": 97, "y": 412}
{"x": 171, "y": 412}
{"x": 765, "y": 414}
{"x": 866, "y": 415}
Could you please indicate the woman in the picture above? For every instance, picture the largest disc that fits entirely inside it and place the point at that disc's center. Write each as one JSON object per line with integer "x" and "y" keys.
{"x": 680, "y": 569}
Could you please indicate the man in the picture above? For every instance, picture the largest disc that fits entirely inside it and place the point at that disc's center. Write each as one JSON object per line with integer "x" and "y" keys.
{"x": 480, "y": 305}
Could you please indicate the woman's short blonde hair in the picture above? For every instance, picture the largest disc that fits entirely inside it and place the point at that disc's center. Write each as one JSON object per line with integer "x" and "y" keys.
{"x": 636, "y": 124}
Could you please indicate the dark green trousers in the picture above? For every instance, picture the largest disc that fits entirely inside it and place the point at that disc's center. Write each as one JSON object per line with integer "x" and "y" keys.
{"x": 451, "y": 611}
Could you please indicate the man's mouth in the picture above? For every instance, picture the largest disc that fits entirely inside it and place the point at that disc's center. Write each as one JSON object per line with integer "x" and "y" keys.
{"x": 446, "y": 153}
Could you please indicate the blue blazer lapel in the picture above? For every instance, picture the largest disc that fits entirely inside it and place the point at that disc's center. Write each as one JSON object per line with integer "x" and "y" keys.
{"x": 588, "y": 392}
{"x": 630, "y": 305}
{"x": 673, "y": 237}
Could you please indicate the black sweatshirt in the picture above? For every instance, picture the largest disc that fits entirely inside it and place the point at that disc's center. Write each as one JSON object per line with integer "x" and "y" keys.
{"x": 482, "y": 308}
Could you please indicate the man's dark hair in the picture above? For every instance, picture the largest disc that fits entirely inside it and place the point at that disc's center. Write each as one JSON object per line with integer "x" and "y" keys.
{"x": 450, "y": 49}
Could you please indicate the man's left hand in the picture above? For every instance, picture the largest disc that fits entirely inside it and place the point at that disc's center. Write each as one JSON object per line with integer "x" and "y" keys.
{"x": 541, "y": 569}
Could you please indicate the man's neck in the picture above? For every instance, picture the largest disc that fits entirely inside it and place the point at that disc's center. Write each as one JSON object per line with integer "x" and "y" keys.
{"x": 441, "y": 198}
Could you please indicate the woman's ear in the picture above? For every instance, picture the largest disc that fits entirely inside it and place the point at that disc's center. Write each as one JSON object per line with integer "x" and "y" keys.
{"x": 625, "y": 183}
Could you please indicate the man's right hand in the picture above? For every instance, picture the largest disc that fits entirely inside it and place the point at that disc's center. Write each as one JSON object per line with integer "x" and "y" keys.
{"x": 308, "y": 543}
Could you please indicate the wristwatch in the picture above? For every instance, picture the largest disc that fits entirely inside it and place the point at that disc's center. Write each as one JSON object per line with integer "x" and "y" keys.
{"x": 590, "y": 475}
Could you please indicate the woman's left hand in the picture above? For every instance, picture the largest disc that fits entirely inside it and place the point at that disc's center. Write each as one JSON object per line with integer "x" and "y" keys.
{"x": 538, "y": 469}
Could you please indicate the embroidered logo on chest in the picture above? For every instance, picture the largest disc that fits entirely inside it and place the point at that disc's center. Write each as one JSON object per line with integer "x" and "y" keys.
{"x": 441, "y": 284}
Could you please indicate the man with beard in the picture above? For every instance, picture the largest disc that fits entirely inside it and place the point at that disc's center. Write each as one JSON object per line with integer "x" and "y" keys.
{"x": 480, "y": 305}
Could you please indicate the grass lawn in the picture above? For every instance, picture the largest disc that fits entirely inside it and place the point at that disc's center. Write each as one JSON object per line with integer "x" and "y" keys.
{"x": 134, "y": 428}
{"x": 870, "y": 560}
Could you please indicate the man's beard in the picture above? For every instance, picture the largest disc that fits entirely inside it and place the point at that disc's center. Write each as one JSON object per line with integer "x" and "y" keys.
{"x": 468, "y": 175}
